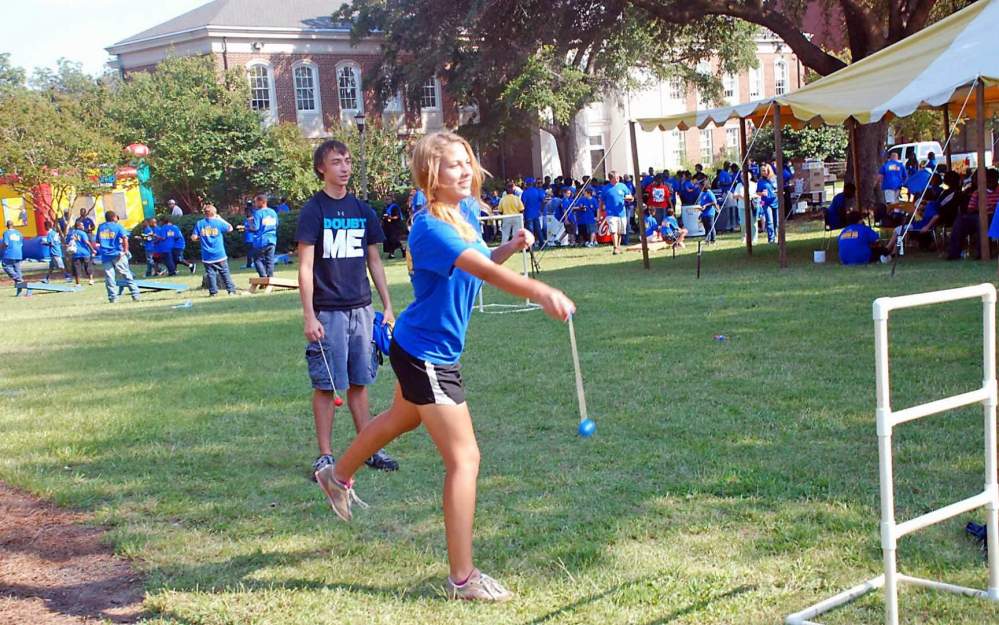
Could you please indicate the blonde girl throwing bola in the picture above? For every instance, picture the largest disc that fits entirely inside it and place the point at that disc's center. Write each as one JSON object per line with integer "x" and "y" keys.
{"x": 448, "y": 263}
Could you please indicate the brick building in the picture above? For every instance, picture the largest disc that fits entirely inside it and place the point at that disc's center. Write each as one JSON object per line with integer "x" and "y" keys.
{"x": 301, "y": 65}
{"x": 303, "y": 69}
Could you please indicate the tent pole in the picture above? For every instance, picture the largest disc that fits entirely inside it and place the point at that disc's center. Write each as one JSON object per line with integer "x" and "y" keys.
{"x": 781, "y": 204}
{"x": 983, "y": 209}
{"x": 750, "y": 221}
{"x": 946, "y": 122}
{"x": 854, "y": 154}
{"x": 639, "y": 204}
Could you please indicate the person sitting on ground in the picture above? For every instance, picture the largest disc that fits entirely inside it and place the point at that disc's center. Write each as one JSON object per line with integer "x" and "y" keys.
{"x": 858, "y": 243}
{"x": 670, "y": 230}
{"x": 842, "y": 203}
{"x": 966, "y": 225}
{"x": 651, "y": 227}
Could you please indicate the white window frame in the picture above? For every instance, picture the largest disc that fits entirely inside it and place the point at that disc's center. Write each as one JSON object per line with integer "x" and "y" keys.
{"x": 756, "y": 82}
{"x": 271, "y": 113}
{"x": 313, "y": 69}
{"x": 707, "y": 141}
{"x": 780, "y": 76}
{"x": 730, "y": 88}
{"x": 436, "y": 94}
{"x": 679, "y": 148}
{"x": 355, "y": 70}
{"x": 677, "y": 91}
{"x": 732, "y": 138}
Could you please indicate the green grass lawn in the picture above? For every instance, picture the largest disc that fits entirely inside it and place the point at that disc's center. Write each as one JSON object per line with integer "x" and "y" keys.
{"x": 729, "y": 482}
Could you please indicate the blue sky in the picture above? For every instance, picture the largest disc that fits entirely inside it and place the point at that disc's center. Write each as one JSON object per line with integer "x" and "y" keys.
{"x": 37, "y": 32}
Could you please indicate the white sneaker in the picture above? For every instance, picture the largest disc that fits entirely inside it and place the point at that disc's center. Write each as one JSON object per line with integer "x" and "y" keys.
{"x": 478, "y": 587}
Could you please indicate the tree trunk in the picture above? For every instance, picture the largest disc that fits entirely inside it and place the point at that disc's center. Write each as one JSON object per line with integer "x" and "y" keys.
{"x": 870, "y": 143}
{"x": 565, "y": 143}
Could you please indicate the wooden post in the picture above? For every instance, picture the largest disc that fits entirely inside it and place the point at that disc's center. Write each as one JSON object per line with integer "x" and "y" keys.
{"x": 750, "y": 218}
{"x": 639, "y": 204}
{"x": 946, "y": 121}
{"x": 781, "y": 204}
{"x": 854, "y": 154}
{"x": 983, "y": 208}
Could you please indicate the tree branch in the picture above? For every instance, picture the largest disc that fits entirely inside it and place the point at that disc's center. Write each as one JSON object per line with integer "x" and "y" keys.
{"x": 807, "y": 52}
{"x": 919, "y": 15}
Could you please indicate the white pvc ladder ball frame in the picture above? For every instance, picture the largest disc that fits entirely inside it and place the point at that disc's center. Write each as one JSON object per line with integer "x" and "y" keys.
{"x": 887, "y": 419}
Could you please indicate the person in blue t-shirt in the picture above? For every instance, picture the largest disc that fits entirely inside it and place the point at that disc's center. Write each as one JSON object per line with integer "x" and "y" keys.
{"x": 613, "y": 199}
{"x": 173, "y": 247}
{"x": 338, "y": 237}
{"x": 651, "y": 226}
{"x": 282, "y": 206}
{"x": 670, "y": 229}
{"x": 12, "y": 256}
{"x": 210, "y": 234}
{"x": 449, "y": 262}
{"x": 150, "y": 243}
{"x": 78, "y": 244}
{"x": 586, "y": 219}
{"x": 53, "y": 244}
{"x": 891, "y": 176}
{"x": 709, "y": 208}
{"x": 418, "y": 202}
{"x": 567, "y": 214}
{"x": 769, "y": 204}
{"x": 931, "y": 161}
{"x": 533, "y": 199}
{"x": 87, "y": 222}
{"x": 112, "y": 244}
{"x": 858, "y": 243}
{"x": 265, "y": 224}
{"x": 841, "y": 204}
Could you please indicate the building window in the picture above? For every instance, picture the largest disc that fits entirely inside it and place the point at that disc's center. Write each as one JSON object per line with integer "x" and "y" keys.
{"x": 428, "y": 95}
{"x": 676, "y": 91}
{"x": 597, "y": 140}
{"x": 755, "y": 83}
{"x": 729, "y": 87}
{"x": 305, "y": 88}
{"x": 780, "y": 77}
{"x": 707, "y": 147}
{"x": 260, "y": 88}
{"x": 348, "y": 80}
{"x": 676, "y": 145}
{"x": 732, "y": 138}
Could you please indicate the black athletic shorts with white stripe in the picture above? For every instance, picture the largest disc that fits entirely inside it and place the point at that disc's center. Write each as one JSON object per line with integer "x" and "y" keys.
{"x": 423, "y": 382}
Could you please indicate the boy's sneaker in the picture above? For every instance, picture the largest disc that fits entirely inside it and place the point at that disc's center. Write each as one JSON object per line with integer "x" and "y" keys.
{"x": 193, "y": 268}
{"x": 478, "y": 587}
{"x": 320, "y": 462}
{"x": 382, "y": 461}
{"x": 341, "y": 496}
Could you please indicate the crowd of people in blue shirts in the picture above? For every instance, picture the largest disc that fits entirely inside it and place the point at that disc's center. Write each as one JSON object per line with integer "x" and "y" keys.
{"x": 941, "y": 211}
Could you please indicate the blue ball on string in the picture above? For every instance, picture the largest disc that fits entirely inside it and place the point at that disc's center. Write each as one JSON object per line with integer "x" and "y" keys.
{"x": 586, "y": 428}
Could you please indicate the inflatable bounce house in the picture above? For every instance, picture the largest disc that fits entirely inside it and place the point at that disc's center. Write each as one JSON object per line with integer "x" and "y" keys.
{"x": 124, "y": 190}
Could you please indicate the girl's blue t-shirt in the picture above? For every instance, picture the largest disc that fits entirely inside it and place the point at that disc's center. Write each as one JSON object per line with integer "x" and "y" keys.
{"x": 433, "y": 327}
{"x": 766, "y": 187}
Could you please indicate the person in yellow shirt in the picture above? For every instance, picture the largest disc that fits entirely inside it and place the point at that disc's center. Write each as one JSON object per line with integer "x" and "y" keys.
{"x": 510, "y": 204}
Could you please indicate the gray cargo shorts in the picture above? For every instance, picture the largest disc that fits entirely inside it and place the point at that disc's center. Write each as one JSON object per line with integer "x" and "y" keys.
{"x": 348, "y": 347}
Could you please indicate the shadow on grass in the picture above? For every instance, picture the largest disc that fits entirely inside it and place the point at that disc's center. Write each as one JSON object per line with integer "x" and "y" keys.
{"x": 778, "y": 414}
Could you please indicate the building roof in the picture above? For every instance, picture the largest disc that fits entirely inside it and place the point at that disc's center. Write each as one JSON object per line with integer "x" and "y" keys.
{"x": 250, "y": 14}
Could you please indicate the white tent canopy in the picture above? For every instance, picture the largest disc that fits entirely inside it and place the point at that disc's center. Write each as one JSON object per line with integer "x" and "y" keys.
{"x": 930, "y": 69}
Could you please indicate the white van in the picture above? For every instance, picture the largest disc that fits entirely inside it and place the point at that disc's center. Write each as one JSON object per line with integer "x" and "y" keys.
{"x": 920, "y": 150}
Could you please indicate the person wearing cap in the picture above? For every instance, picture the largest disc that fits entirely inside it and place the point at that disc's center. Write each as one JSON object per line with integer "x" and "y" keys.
{"x": 175, "y": 211}
{"x": 533, "y": 199}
